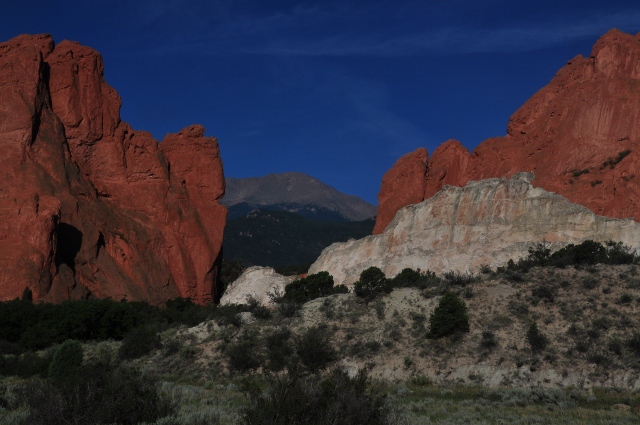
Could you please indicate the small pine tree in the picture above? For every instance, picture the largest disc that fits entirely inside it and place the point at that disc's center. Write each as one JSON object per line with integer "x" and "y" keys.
{"x": 372, "y": 282}
{"x": 536, "y": 339}
{"x": 66, "y": 362}
{"x": 449, "y": 317}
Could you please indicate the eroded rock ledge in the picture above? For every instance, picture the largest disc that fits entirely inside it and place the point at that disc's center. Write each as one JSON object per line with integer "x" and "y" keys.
{"x": 459, "y": 229}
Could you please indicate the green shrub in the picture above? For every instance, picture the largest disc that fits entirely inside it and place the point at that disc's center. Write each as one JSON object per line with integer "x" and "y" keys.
{"x": 8, "y": 347}
{"x": 634, "y": 343}
{"x": 314, "y": 348}
{"x": 590, "y": 283}
{"x": 536, "y": 339}
{"x": 285, "y": 307}
{"x": 336, "y": 399}
{"x": 184, "y": 311}
{"x": 372, "y": 283}
{"x": 41, "y": 325}
{"x": 545, "y": 293}
{"x": 624, "y": 299}
{"x": 279, "y": 349}
{"x": 586, "y": 253}
{"x": 615, "y": 346}
{"x": 66, "y": 362}
{"x": 98, "y": 395}
{"x": 618, "y": 253}
{"x": 229, "y": 314}
{"x": 449, "y": 317}
{"x": 459, "y": 278}
{"x": 26, "y": 365}
{"x": 456, "y": 278}
{"x": 409, "y": 278}
{"x": 139, "y": 342}
{"x": 489, "y": 340}
{"x": 244, "y": 353}
{"x": 257, "y": 309}
{"x": 612, "y": 162}
{"x": 311, "y": 287}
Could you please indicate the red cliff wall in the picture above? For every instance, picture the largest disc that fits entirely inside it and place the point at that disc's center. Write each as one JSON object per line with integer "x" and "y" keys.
{"x": 580, "y": 135}
{"x": 89, "y": 206}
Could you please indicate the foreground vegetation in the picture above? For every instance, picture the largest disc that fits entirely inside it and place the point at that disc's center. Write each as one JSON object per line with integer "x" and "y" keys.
{"x": 542, "y": 340}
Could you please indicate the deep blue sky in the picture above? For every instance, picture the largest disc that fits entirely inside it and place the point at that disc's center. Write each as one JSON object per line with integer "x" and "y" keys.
{"x": 335, "y": 89}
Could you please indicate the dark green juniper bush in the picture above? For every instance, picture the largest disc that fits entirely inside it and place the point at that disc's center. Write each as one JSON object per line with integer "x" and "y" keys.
{"x": 311, "y": 287}
{"x": 449, "y": 317}
{"x": 372, "y": 283}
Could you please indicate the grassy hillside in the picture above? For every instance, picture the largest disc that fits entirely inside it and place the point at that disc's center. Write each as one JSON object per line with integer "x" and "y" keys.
{"x": 545, "y": 344}
{"x": 281, "y": 238}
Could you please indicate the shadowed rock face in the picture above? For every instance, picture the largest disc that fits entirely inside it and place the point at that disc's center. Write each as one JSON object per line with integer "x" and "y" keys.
{"x": 89, "y": 206}
{"x": 460, "y": 229}
{"x": 580, "y": 135}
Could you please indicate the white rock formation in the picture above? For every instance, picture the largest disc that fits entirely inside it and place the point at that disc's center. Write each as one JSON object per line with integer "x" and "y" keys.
{"x": 486, "y": 222}
{"x": 257, "y": 282}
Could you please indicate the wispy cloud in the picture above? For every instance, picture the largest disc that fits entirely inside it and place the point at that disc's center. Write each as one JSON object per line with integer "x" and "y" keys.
{"x": 454, "y": 39}
{"x": 347, "y": 30}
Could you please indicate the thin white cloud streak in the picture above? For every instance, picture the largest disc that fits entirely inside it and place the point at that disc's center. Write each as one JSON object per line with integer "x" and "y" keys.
{"x": 456, "y": 40}
{"x": 313, "y": 31}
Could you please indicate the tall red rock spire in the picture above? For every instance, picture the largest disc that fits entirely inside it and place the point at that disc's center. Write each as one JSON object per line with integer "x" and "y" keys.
{"x": 89, "y": 206}
{"x": 580, "y": 135}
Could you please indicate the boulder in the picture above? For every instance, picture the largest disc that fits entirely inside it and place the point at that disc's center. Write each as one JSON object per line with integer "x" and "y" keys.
{"x": 257, "y": 282}
{"x": 90, "y": 207}
{"x": 580, "y": 135}
{"x": 487, "y": 222}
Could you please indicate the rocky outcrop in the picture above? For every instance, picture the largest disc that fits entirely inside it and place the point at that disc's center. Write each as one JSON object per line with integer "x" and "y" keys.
{"x": 257, "y": 282}
{"x": 89, "y": 206}
{"x": 580, "y": 135}
{"x": 460, "y": 229}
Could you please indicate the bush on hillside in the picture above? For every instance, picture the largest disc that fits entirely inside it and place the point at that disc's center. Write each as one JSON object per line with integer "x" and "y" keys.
{"x": 311, "y": 287}
{"x": 633, "y": 343}
{"x": 279, "y": 349}
{"x": 138, "y": 343}
{"x": 229, "y": 314}
{"x": 184, "y": 311}
{"x": 26, "y": 365}
{"x": 285, "y": 307}
{"x": 66, "y": 362}
{"x": 449, "y": 317}
{"x": 98, "y": 395}
{"x": 459, "y": 278}
{"x": 314, "y": 349}
{"x": 409, "y": 278}
{"x": 335, "y": 399}
{"x": 536, "y": 339}
{"x": 586, "y": 253}
{"x": 372, "y": 283}
{"x": 38, "y": 326}
{"x": 244, "y": 353}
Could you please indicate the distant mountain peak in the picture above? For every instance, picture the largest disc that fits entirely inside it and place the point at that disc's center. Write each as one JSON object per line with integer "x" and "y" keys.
{"x": 294, "y": 192}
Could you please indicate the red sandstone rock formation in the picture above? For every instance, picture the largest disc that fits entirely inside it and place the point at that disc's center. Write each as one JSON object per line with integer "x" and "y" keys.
{"x": 89, "y": 206}
{"x": 580, "y": 135}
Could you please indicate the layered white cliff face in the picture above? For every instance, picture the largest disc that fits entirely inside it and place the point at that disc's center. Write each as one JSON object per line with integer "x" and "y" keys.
{"x": 459, "y": 229}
